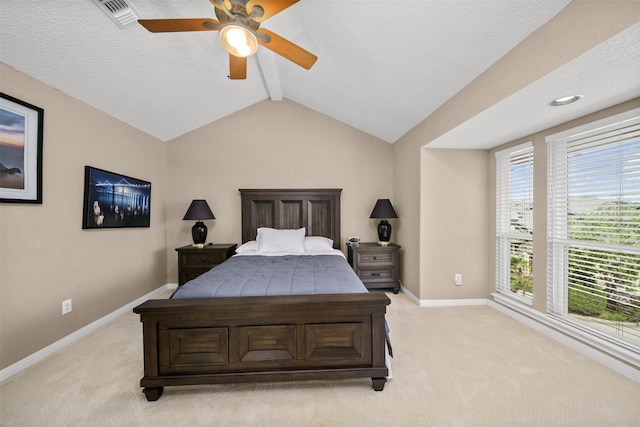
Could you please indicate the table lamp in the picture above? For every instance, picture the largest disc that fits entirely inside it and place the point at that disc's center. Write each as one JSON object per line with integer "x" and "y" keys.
{"x": 199, "y": 210}
{"x": 383, "y": 210}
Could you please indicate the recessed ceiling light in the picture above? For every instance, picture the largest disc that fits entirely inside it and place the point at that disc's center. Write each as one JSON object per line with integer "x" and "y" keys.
{"x": 564, "y": 100}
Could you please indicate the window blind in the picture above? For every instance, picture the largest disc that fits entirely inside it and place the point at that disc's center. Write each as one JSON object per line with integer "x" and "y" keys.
{"x": 514, "y": 221}
{"x": 594, "y": 228}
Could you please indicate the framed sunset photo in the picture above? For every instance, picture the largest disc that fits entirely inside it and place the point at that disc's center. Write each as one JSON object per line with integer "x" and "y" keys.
{"x": 21, "y": 128}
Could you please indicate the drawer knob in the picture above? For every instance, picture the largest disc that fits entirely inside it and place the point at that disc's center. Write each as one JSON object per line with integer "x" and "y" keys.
{"x": 375, "y": 257}
{"x": 375, "y": 274}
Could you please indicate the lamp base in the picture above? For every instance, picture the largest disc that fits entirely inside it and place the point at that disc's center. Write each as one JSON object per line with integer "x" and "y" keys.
{"x": 199, "y": 233}
{"x": 384, "y": 232}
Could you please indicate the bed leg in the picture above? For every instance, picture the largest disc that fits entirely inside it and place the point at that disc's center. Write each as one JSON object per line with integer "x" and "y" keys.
{"x": 378, "y": 383}
{"x": 153, "y": 393}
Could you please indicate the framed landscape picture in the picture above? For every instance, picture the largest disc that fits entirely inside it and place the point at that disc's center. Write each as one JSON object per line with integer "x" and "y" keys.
{"x": 21, "y": 127}
{"x": 112, "y": 200}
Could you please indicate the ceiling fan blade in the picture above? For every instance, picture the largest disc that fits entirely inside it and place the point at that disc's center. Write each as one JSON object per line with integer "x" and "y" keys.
{"x": 237, "y": 68}
{"x": 270, "y": 7}
{"x": 285, "y": 48}
{"x": 176, "y": 25}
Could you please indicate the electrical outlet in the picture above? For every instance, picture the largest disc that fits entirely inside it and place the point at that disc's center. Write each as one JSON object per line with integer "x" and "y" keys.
{"x": 458, "y": 279}
{"x": 66, "y": 306}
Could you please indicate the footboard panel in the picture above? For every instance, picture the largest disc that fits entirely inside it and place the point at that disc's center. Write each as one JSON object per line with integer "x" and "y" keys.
{"x": 222, "y": 340}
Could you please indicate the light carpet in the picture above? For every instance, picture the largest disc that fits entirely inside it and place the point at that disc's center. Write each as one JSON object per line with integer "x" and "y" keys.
{"x": 454, "y": 366}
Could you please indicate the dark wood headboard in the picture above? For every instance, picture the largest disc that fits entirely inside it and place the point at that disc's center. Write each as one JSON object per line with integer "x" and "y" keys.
{"x": 318, "y": 210}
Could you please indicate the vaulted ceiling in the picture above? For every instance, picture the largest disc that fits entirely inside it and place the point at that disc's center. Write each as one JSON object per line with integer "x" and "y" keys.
{"x": 383, "y": 66}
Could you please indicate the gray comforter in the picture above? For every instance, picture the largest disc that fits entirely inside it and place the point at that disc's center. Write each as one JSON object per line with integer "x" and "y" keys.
{"x": 274, "y": 275}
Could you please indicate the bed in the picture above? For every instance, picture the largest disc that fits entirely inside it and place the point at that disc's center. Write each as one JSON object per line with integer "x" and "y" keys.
{"x": 261, "y": 338}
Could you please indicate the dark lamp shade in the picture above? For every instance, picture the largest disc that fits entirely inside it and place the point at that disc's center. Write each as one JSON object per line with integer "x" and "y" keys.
{"x": 199, "y": 210}
{"x": 383, "y": 210}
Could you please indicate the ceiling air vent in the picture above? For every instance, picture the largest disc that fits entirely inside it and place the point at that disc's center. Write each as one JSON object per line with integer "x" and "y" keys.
{"x": 121, "y": 12}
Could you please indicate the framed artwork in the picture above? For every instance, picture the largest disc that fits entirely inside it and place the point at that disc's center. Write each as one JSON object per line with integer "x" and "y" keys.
{"x": 112, "y": 200}
{"x": 21, "y": 126}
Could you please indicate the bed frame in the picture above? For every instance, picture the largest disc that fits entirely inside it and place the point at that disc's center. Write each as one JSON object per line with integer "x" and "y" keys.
{"x": 269, "y": 338}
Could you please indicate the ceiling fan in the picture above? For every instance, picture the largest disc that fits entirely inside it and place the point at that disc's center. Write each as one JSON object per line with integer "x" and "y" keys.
{"x": 239, "y": 31}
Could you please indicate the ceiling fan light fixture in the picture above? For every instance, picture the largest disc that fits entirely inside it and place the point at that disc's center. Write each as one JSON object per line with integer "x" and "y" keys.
{"x": 238, "y": 40}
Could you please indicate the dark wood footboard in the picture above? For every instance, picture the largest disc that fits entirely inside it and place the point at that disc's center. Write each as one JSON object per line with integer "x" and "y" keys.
{"x": 271, "y": 338}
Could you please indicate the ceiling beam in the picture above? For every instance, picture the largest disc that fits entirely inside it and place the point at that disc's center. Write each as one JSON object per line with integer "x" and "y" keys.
{"x": 267, "y": 64}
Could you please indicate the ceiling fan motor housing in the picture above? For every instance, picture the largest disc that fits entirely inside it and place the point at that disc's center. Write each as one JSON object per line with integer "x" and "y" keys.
{"x": 238, "y": 15}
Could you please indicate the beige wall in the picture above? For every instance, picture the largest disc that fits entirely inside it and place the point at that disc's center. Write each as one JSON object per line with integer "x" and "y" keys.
{"x": 274, "y": 145}
{"x": 45, "y": 256}
{"x": 454, "y": 219}
{"x": 540, "y": 197}
{"x": 579, "y": 27}
{"x": 406, "y": 199}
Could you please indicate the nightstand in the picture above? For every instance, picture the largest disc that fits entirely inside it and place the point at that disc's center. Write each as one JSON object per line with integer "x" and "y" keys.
{"x": 193, "y": 261}
{"x": 375, "y": 265}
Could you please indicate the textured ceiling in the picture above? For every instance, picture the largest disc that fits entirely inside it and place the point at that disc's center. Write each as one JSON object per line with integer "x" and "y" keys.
{"x": 382, "y": 66}
{"x": 606, "y": 75}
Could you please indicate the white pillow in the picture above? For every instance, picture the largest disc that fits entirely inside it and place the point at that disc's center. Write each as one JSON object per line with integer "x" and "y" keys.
{"x": 317, "y": 243}
{"x": 250, "y": 246}
{"x": 271, "y": 240}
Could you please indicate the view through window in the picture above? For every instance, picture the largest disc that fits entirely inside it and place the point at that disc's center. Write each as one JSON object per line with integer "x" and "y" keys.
{"x": 514, "y": 222}
{"x": 594, "y": 229}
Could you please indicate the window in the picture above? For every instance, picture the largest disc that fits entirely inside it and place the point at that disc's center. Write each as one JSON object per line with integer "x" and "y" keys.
{"x": 594, "y": 228}
{"x": 514, "y": 222}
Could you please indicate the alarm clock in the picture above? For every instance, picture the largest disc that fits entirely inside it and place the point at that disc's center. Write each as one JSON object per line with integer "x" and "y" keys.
{"x": 353, "y": 240}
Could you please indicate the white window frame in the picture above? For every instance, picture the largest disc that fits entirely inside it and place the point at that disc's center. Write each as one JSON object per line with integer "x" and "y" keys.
{"x": 558, "y": 242}
{"x": 505, "y": 159}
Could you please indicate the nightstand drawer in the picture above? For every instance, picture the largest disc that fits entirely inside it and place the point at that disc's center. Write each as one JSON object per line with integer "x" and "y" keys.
{"x": 193, "y": 261}
{"x": 376, "y": 265}
{"x": 375, "y": 257}
{"x": 204, "y": 258}
{"x": 368, "y": 275}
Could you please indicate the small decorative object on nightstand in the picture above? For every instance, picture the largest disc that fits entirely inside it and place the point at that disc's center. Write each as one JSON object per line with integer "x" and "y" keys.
{"x": 199, "y": 210}
{"x": 383, "y": 210}
{"x": 375, "y": 265}
{"x": 193, "y": 261}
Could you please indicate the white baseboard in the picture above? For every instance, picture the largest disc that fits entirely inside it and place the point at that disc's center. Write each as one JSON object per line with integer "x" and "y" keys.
{"x": 409, "y": 294}
{"x": 36, "y": 357}
{"x": 443, "y": 302}
{"x": 452, "y": 302}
